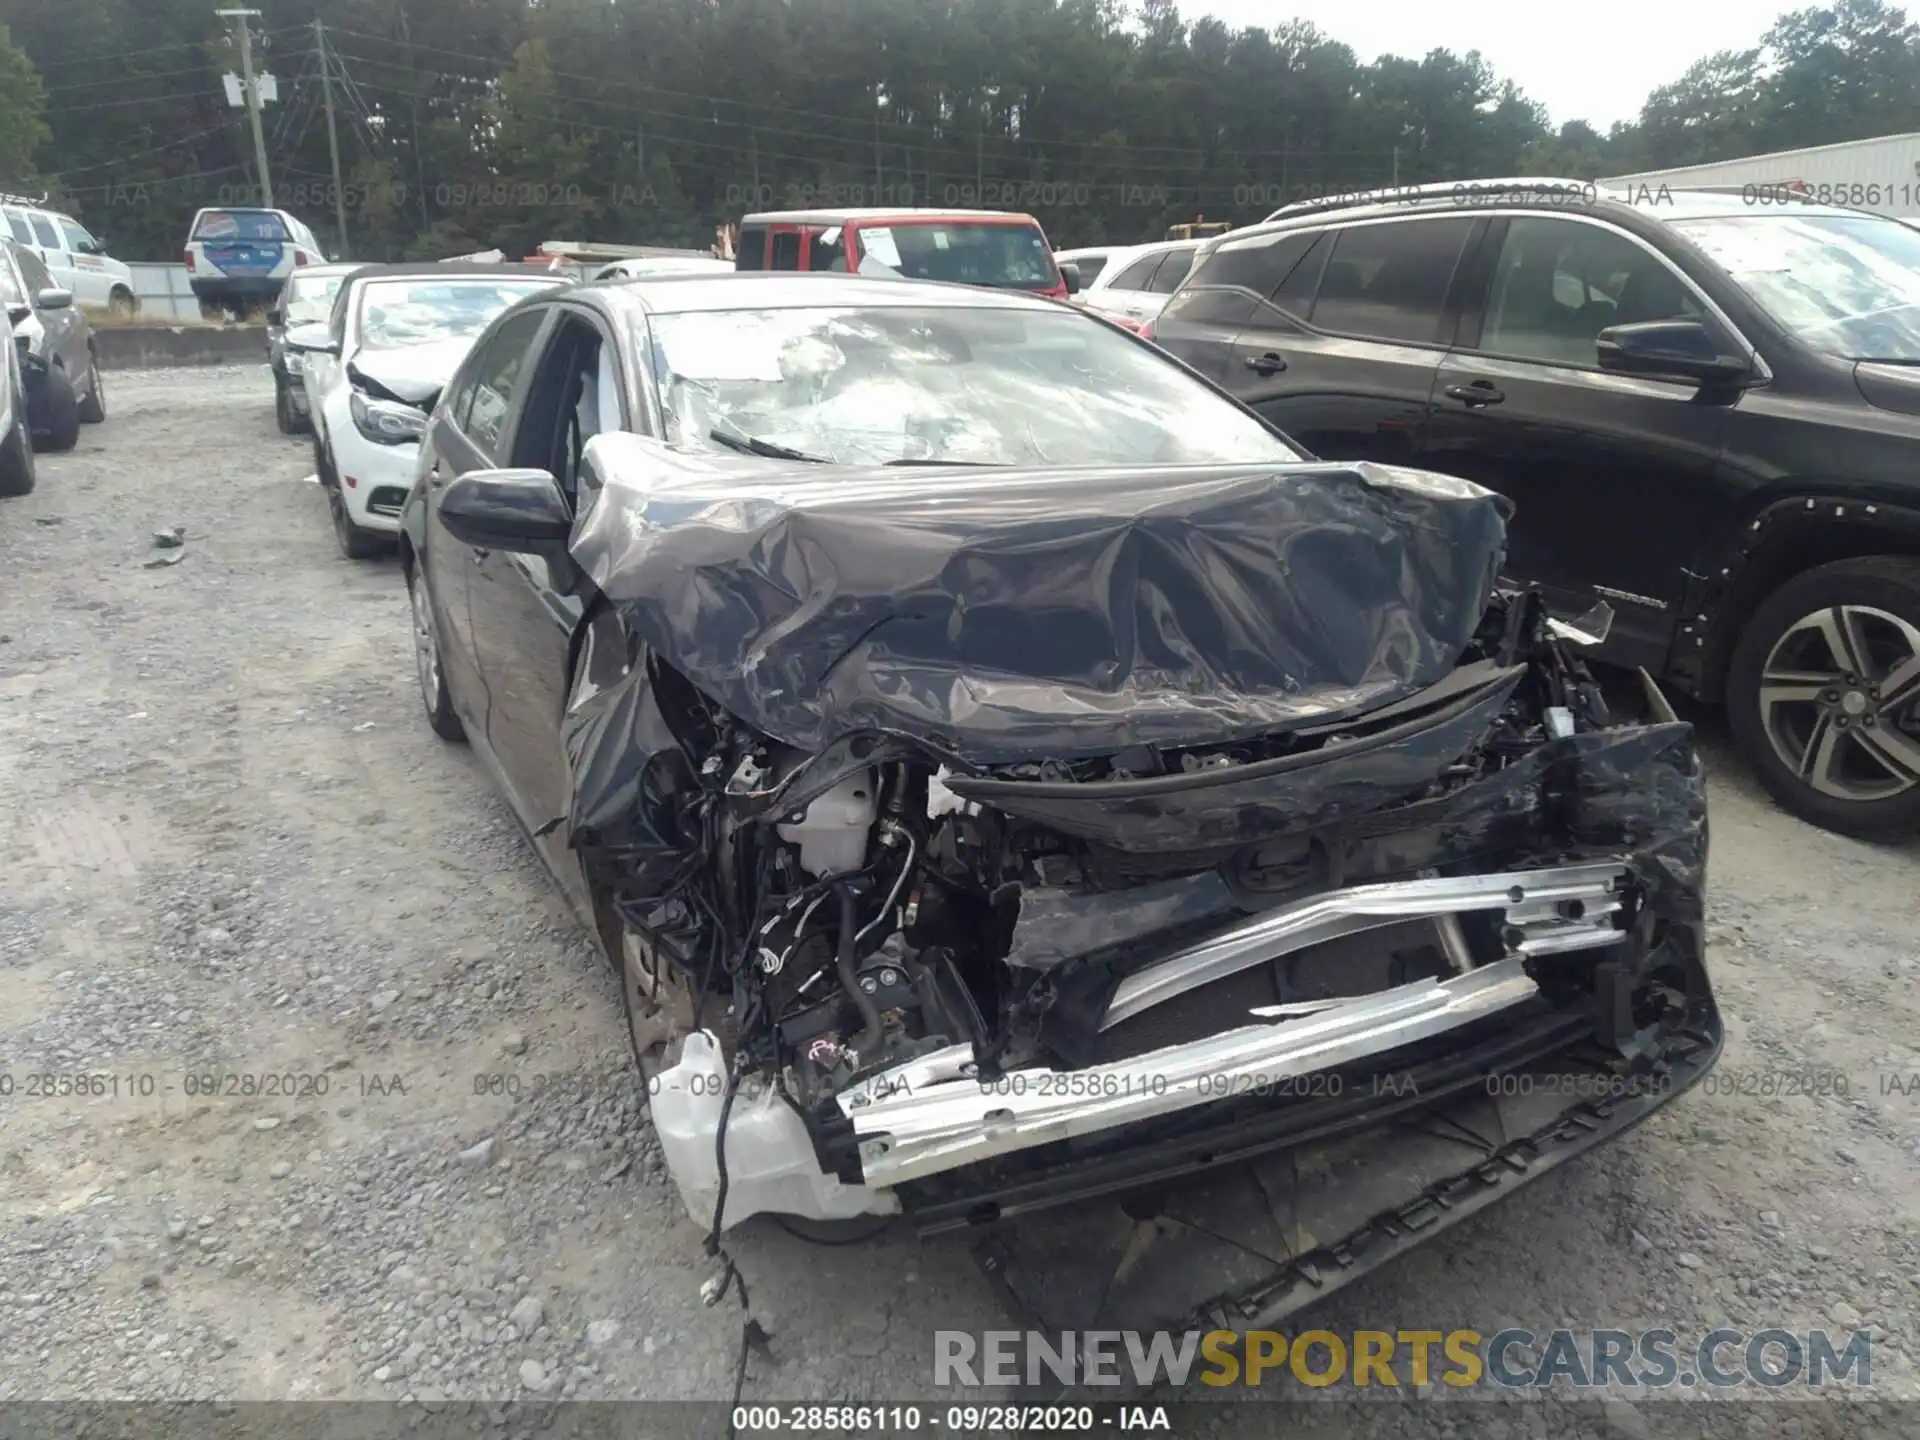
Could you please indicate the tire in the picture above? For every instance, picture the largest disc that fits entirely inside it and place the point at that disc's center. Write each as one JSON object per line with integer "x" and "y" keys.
{"x": 1823, "y": 696}
{"x": 427, "y": 666}
{"x": 657, "y": 1006}
{"x": 93, "y": 409}
{"x": 212, "y": 312}
{"x": 16, "y": 457}
{"x": 355, "y": 543}
{"x": 59, "y": 413}
{"x": 123, "y": 304}
{"x": 283, "y": 414}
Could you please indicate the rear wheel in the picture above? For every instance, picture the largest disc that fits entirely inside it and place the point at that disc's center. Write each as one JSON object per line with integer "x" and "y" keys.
{"x": 426, "y": 655}
{"x": 1823, "y": 695}
{"x": 93, "y": 409}
{"x": 16, "y": 456}
{"x": 123, "y": 304}
{"x": 59, "y": 412}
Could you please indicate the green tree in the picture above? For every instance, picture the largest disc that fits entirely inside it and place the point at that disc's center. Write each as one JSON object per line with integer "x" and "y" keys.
{"x": 22, "y": 97}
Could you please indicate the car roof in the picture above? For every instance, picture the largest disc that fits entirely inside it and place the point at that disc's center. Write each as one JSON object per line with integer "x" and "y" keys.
{"x": 904, "y": 213}
{"x": 323, "y": 272}
{"x": 1659, "y": 204}
{"x": 456, "y": 270}
{"x": 764, "y": 290}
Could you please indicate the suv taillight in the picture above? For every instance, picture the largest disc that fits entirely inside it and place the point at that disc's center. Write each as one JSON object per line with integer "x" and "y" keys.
{"x": 299, "y": 258}
{"x": 1144, "y": 329}
{"x": 189, "y": 258}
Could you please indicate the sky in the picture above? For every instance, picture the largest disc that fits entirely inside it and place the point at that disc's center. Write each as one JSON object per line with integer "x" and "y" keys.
{"x": 1594, "y": 63}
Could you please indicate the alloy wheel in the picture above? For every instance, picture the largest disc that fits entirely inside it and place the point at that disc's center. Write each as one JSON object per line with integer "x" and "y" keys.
{"x": 426, "y": 646}
{"x": 1840, "y": 702}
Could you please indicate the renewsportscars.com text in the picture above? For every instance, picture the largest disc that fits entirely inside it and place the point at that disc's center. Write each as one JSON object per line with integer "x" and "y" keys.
{"x": 1657, "y": 1358}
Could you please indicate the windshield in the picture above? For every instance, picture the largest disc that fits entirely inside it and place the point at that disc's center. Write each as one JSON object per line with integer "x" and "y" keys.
{"x": 240, "y": 225}
{"x": 1845, "y": 284}
{"x": 310, "y": 300}
{"x": 940, "y": 385}
{"x": 394, "y": 313}
{"x": 1014, "y": 257}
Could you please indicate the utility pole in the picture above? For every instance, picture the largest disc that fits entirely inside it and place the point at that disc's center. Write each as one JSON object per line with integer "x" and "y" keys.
{"x": 333, "y": 135}
{"x": 252, "y": 93}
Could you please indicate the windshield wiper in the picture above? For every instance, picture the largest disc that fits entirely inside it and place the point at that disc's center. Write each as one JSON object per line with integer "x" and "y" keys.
{"x": 749, "y": 445}
{"x": 917, "y": 460}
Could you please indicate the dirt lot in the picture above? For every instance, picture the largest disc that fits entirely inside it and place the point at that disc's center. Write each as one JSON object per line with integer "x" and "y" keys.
{"x": 230, "y": 843}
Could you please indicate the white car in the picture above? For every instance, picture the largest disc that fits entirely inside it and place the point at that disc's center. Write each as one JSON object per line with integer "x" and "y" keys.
{"x": 1089, "y": 262}
{"x": 1135, "y": 285}
{"x": 648, "y": 267}
{"x": 78, "y": 262}
{"x": 375, "y": 370}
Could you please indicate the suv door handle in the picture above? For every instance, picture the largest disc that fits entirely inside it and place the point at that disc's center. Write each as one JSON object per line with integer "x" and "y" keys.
{"x": 1480, "y": 392}
{"x": 480, "y": 556}
{"x": 1270, "y": 363}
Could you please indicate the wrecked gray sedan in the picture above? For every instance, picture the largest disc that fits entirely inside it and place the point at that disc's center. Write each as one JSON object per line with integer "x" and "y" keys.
{"x": 1021, "y": 791}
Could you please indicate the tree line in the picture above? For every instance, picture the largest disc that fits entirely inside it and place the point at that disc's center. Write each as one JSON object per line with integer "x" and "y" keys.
{"x": 470, "y": 124}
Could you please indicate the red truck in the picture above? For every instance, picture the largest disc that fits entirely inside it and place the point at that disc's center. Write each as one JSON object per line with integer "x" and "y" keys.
{"x": 994, "y": 248}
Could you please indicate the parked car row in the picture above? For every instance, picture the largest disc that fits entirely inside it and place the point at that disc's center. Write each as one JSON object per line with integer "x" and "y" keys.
{"x": 53, "y": 385}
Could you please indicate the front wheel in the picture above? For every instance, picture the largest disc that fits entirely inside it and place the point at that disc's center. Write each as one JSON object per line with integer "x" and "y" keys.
{"x": 284, "y": 414}
{"x": 426, "y": 656}
{"x": 1823, "y": 695}
{"x": 16, "y": 456}
{"x": 59, "y": 412}
{"x": 356, "y": 542}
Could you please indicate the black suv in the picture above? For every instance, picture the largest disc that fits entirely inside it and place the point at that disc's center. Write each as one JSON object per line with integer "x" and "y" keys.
{"x": 1706, "y": 407}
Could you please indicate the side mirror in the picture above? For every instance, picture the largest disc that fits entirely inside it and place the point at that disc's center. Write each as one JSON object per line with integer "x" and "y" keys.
{"x": 518, "y": 510}
{"x": 1669, "y": 350}
{"x": 53, "y": 299}
{"x": 1070, "y": 273}
{"x": 312, "y": 339}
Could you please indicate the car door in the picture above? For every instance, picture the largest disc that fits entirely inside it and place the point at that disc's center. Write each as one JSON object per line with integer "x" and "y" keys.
{"x": 90, "y": 282}
{"x": 523, "y": 619}
{"x": 65, "y": 326}
{"x": 1128, "y": 292}
{"x": 1610, "y": 474}
{"x": 1166, "y": 279}
{"x": 1343, "y": 354}
{"x": 468, "y": 433}
{"x": 49, "y": 245}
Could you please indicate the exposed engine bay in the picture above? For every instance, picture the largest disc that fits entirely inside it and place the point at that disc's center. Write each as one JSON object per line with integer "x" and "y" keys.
{"x": 881, "y": 966}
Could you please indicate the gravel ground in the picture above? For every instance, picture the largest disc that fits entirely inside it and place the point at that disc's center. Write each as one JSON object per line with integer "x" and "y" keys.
{"x": 230, "y": 843}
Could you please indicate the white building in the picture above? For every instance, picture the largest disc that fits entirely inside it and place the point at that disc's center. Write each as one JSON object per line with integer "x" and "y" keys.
{"x": 1881, "y": 175}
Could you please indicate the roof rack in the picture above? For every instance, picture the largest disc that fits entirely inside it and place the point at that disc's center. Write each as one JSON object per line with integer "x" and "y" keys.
{"x": 6, "y": 199}
{"x": 1439, "y": 190}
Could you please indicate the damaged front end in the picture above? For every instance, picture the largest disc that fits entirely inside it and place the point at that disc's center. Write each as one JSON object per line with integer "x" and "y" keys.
{"x": 985, "y": 846}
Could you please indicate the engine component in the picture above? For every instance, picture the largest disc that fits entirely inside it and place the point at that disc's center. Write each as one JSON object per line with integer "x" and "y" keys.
{"x": 832, "y": 831}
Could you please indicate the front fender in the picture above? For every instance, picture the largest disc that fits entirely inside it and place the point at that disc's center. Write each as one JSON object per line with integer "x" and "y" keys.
{"x": 1786, "y": 535}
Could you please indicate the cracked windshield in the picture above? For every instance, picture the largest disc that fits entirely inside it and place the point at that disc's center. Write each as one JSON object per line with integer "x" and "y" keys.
{"x": 880, "y": 386}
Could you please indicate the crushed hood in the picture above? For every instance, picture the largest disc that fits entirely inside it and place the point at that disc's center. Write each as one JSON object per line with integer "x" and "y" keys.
{"x": 413, "y": 374}
{"x": 1006, "y": 614}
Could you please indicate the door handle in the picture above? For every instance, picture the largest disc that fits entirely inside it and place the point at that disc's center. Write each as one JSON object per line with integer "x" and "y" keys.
{"x": 1480, "y": 392}
{"x": 480, "y": 556}
{"x": 1270, "y": 363}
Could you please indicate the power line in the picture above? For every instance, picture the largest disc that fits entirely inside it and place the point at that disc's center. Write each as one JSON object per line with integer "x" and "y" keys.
{"x": 137, "y": 155}
{"x": 143, "y": 100}
{"x": 1124, "y": 156}
{"x": 123, "y": 80}
{"x": 758, "y": 107}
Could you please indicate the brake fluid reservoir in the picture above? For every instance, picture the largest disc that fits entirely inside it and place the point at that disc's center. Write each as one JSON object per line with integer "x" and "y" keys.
{"x": 832, "y": 834}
